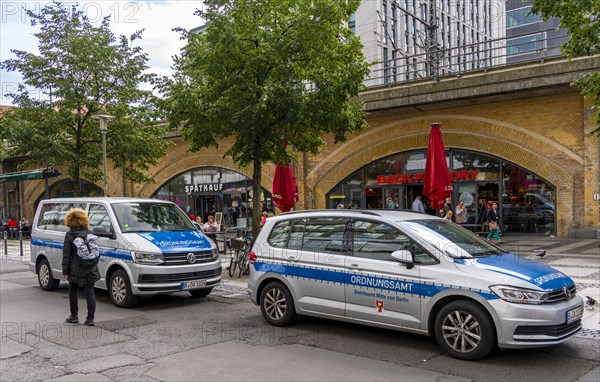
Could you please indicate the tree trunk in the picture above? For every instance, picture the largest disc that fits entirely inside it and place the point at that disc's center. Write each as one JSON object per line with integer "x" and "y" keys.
{"x": 256, "y": 189}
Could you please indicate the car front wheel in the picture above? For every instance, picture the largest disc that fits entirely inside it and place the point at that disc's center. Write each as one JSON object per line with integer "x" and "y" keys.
{"x": 120, "y": 290}
{"x": 465, "y": 330}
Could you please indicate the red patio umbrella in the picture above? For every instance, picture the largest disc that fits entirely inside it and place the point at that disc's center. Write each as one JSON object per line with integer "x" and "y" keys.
{"x": 285, "y": 189}
{"x": 436, "y": 183}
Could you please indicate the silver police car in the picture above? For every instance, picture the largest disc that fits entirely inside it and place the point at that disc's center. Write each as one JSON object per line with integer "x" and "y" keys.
{"x": 411, "y": 272}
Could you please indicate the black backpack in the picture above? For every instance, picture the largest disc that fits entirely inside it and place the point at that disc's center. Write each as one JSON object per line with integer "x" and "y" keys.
{"x": 88, "y": 253}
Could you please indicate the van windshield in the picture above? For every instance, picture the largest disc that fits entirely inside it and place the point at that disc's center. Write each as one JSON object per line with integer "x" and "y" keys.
{"x": 450, "y": 238}
{"x": 151, "y": 217}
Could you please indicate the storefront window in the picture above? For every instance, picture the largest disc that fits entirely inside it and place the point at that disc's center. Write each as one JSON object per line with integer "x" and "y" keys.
{"x": 526, "y": 202}
{"x": 348, "y": 194}
{"x": 215, "y": 191}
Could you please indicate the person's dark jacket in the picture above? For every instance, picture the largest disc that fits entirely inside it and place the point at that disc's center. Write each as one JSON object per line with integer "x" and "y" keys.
{"x": 70, "y": 267}
{"x": 491, "y": 216}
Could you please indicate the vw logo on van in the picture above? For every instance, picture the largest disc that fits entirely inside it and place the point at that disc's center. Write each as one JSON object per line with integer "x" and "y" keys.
{"x": 191, "y": 258}
{"x": 567, "y": 292}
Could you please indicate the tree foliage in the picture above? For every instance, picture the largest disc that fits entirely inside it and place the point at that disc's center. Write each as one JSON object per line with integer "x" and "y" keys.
{"x": 274, "y": 74}
{"x": 82, "y": 70}
{"x": 581, "y": 19}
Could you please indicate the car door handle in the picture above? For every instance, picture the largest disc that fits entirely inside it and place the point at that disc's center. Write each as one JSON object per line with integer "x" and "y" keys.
{"x": 291, "y": 258}
{"x": 355, "y": 266}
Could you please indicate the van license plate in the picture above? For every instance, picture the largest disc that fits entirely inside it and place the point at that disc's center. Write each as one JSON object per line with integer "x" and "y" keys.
{"x": 574, "y": 314}
{"x": 193, "y": 284}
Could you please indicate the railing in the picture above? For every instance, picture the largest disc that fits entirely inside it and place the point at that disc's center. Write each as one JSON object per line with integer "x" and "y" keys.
{"x": 458, "y": 60}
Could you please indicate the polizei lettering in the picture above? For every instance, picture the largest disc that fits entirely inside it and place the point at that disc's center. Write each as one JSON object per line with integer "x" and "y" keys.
{"x": 373, "y": 282}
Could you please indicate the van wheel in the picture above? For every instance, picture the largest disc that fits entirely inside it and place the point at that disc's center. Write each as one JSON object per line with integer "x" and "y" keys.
{"x": 465, "y": 330}
{"x": 45, "y": 278}
{"x": 200, "y": 292}
{"x": 120, "y": 290}
{"x": 277, "y": 305}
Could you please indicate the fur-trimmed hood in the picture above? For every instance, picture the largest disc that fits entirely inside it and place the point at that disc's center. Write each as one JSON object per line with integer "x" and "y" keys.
{"x": 77, "y": 218}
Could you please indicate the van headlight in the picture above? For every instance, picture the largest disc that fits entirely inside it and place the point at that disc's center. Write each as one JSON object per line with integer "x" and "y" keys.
{"x": 519, "y": 295}
{"x": 147, "y": 258}
{"x": 215, "y": 252}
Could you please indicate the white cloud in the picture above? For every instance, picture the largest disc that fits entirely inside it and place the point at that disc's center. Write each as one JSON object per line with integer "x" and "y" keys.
{"x": 157, "y": 18}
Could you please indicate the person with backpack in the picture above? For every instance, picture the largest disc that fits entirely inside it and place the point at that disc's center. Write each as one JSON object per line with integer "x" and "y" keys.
{"x": 80, "y": 263}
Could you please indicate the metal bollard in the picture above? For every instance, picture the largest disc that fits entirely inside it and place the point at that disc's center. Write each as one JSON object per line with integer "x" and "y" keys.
{"x": 20, "y": 243}
{"x": 5, "y": 245}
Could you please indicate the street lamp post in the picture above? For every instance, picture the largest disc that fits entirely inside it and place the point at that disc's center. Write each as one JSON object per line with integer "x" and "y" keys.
{"x": 103, "y": 120}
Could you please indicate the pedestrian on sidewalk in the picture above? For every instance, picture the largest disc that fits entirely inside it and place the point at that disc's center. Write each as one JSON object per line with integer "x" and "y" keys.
{"x": 78, "y": 223}
{"x": 492, "y": 220}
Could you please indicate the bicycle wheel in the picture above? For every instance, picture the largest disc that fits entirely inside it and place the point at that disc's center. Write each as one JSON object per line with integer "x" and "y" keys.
{"x": 244, "y": 263}
{"x": 233, "y": 263}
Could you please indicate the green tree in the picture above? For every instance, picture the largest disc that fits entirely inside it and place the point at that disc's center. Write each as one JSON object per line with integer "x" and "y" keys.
{"x": 581, "y": 19}
{"x": 82, "y": 70}
{"x": 273, "y": 74}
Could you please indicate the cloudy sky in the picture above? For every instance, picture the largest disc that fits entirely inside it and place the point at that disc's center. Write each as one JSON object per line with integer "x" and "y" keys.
{"x": 158, "y": 18}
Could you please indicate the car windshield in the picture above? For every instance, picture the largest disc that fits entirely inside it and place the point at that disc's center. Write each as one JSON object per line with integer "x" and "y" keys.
{"x": 450, "y": 238}
{"x": 151, "y": 217}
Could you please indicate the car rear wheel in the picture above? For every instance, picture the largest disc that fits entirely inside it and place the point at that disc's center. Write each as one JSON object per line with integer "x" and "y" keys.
{"x": 277, "y": 305}
{"x": 120, "y": 290}
{"x": 45, "y": 278}
{"x": 465, "y": 330}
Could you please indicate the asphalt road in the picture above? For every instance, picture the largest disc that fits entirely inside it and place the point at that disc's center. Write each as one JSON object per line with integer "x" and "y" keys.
{"x": 224, "y": 337}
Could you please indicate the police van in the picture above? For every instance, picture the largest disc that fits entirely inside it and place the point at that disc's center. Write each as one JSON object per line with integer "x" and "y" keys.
{"x": 147, "y": 247}
{"x": 411, "y": 272}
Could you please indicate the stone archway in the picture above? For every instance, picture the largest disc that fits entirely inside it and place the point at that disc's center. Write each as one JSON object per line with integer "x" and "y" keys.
{"x": 538, "y": 154}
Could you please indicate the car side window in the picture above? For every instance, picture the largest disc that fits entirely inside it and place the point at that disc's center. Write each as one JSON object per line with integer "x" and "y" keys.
{"x": 280, "y": 233}
{"x": 375, "y": 240}
{"x": 52, "y": 216}
{"x": 324, "y": 235}
{"x": 98, "y": 216}
{"x": 297, "y": 234}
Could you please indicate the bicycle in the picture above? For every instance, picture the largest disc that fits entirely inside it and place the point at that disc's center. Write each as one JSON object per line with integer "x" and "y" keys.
{"x": 240, "y": 248}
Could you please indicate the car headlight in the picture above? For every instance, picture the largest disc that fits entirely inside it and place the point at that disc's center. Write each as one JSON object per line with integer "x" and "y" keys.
{"x": 147, "y": 258}
{"x": 519, "y": 295}
{"x": 215, "y": 252}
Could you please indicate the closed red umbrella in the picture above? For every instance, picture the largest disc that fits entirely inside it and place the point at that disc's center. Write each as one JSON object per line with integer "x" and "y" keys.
{"x": 285, "y": 189}
{"x": 436, "y": 183}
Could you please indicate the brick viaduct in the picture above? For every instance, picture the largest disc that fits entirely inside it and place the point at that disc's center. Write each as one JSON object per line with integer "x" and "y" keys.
{"x": 526, "y": 114}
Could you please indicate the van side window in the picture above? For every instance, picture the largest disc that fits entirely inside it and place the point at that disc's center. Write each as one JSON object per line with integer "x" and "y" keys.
{"x": 324, "y": 235}
{"x": 52, "y": 216}
{"x": 377, "y": 241}
{"x": 98, "y": 216}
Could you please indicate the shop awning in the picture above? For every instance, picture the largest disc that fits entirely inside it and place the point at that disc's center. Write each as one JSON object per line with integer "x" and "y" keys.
{"x": 29, "y": 174}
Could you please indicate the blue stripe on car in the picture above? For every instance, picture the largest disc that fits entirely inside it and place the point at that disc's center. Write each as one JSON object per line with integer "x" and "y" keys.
{"x": 364, "y": 281}
{"x": 107, "y": 252}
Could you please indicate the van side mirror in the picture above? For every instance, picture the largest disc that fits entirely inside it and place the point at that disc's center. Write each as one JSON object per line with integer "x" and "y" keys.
{"x": 405, "y": 257}
{"x": 102, "y": 231}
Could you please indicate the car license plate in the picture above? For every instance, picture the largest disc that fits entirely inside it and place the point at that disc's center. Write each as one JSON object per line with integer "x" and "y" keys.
{"x": 193, "y": 284}
{"x": 574, "y": 314}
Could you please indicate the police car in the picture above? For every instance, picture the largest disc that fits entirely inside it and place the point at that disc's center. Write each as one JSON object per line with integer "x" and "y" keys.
{"x": 410, "y": 272}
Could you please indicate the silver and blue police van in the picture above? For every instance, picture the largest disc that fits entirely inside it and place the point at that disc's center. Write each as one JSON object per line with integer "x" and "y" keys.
{"x": 147, "y": 247}
{"x": 411, "y": 272}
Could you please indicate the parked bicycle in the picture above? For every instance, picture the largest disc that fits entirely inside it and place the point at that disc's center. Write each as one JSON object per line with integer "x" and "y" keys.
{"x": 240, "y": 250}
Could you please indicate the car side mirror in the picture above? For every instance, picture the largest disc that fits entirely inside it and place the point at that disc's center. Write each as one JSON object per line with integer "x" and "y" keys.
{"x": 405, "y": 257}
{"x": 104, "y": 232}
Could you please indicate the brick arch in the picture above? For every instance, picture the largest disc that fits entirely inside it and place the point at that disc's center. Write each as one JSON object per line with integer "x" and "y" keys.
{"x": 547, "y": 159}
{"x": 188, "y": 161}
